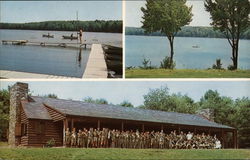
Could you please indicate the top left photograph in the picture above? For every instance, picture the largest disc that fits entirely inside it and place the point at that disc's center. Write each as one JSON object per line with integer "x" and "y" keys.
{"x": 61, "y": 39}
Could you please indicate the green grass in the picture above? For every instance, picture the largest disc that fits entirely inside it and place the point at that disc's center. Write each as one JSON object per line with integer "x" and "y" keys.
{"x": 3, "y": 144}
{"x": 186, "y": 73}
{"x": 88, "y": 154}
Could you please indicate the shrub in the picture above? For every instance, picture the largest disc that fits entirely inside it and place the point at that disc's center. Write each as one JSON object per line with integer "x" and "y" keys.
{"x": 231, "y": 67}
{"x": 166, "y": 63}
{"x": 218, "y": 64}
{"x": 146, "y": 64}
{"x": 51, "y": 143}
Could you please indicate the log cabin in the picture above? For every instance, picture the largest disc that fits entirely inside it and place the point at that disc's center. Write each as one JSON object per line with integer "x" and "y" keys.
{"x": 35, "y": 120}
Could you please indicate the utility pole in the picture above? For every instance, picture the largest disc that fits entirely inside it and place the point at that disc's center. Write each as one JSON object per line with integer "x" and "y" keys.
{"x": 76, "y": 15}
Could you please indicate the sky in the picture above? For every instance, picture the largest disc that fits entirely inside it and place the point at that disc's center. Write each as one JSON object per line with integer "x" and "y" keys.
{"x": 134, "y": 13}
{"x": 35, "y": 11}
{"x": 117, "y": 91}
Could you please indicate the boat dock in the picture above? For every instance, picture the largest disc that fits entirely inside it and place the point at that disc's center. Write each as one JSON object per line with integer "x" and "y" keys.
{"x": 47, "y": 44}
{"x": 96, "y": 67}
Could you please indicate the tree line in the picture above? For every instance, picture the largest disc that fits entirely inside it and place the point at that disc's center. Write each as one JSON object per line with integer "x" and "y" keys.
{"x": 227, "y": 111}
{"x": 186, "y": 31}
{"x": 113, "y": 26}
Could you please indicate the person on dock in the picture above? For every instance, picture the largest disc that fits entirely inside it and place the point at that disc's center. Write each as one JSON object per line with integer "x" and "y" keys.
{"x": 80, "y": 35}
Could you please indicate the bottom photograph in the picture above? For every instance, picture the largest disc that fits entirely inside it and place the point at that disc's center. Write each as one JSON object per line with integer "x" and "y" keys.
{"x": 126, "y": 119}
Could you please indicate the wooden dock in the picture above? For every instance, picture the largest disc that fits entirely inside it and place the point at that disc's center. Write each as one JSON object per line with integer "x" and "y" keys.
{"x": 15, "y": 42}
{"x": 47, "y": 44}
{"x": 96, "y": 66}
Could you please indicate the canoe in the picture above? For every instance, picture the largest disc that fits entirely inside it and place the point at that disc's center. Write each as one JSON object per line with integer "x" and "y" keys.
{"x": 113, "y": 57}
{"x": 48, "y": 36}
{"x": 70, "y": 37}
{"x": 112, "y": 50}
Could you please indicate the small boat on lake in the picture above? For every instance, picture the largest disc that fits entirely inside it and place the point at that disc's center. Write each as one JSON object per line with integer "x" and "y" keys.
{"x": 70, "y": 37}
{"x": 196, "y": 46}
{"x": 48, "y": 36}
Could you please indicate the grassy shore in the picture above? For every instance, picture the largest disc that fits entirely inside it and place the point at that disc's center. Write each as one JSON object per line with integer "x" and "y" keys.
{"x": 89, "y": 154}
{"x": 186, "y": 73}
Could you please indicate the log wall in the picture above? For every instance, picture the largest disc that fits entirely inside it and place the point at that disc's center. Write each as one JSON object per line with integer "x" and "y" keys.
{"x": 50, "y": 130}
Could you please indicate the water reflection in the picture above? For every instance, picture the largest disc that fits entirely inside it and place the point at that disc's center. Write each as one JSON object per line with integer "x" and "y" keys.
{"x": 79, "y": 57}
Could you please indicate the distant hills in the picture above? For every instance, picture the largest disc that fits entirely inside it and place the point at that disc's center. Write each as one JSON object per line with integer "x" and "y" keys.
{"x": 186, "y": 31}
{"x": 114, "y": 26}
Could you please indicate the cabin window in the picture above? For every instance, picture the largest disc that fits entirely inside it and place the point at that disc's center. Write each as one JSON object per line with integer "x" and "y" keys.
{"x": 40, "y": 127}
{"x": 24, "y": 129}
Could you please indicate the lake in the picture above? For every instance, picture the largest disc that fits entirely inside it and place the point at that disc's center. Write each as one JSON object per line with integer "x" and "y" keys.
{"x": 186, "y": 56}
{"x": 49, "y": 60}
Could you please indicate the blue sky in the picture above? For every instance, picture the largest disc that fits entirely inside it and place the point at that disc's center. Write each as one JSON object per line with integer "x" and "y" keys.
{"x": 133, "y": 91}
{"x": 134, "y": 13}
{"x": 33, "y": 11}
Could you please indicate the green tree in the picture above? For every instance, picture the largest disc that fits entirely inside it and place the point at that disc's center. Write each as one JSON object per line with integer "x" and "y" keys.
{"x": 96, "y": 101}
{"x": 224, "y": 110}
{"x": 4, "y": 113}
{"x": 160, "y": 99}
{"x": 166, "y": 16}
{"x": 242, "y": 121}
{"x": 126, "y": 103}
{"x": 51, "y": 95}
{"x": 232, "y": 18}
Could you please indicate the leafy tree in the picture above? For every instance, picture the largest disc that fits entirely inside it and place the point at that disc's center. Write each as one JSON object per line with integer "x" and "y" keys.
{"x": 4, "y": 113}
{"x": 126, "y": 103}
{"x": 96, "y": 101}
{"x": 223, "y": 107}
{"x": 51, "y": 95}
{"x": 232, "y": 18}
{"x": 242, "y": 121}
{"x": 160, "y": 99}
{"x": 166, "y": 16}
{"x": 232, "y": 113}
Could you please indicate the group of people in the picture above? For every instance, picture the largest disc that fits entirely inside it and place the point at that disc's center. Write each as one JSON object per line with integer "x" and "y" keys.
{"x": 106, "y": 138}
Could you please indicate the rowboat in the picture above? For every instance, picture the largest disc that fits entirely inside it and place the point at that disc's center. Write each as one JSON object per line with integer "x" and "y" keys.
{"x": 70, "y": 37}
{"x": 195, "y": 46}
{"x": 112, "y": 50}
{"x": 113, "y": 57}
{"x": 48, "y": 36}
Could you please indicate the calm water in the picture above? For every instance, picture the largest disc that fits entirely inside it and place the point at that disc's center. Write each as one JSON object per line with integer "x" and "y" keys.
{"x": 46, "y": 60}
{"x": 210, "y": 49}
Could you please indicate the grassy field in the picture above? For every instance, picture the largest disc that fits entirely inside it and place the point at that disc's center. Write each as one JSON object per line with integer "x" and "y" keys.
{"x": 186, "y": 73}
{"x": 126, "y": 154}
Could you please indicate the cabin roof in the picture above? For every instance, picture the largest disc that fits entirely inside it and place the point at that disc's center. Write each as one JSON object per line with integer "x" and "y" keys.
{"x": 37, "y": 110}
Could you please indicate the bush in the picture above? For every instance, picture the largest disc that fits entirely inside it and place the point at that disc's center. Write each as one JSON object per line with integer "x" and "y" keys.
{"x": 218, "y": 64}
{"x": 231, "y": 67}
{"x": 166, "y": 63}
{"x": 51, "y": 143}
{"x": 146, "y": 64}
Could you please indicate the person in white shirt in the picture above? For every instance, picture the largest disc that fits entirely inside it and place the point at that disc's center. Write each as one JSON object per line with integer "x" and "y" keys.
{"x": 189, "y": 136}
{"x": 217, "y": 144}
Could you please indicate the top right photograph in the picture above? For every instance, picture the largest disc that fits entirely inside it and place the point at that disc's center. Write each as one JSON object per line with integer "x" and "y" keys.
{"x": 187, "y": 39}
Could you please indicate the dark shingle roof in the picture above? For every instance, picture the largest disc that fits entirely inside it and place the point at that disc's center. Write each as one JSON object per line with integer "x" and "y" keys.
{"x": 35, "y": 110}
{"x": 78, "y": 108}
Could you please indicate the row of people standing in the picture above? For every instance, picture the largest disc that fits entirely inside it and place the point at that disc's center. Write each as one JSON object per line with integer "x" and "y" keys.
{"x": 106, "y": 138}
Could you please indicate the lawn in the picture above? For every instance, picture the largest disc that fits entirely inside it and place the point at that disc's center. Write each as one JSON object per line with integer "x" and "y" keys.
{"x": 88, "y": 154}
{"x": 186, "y": 73}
